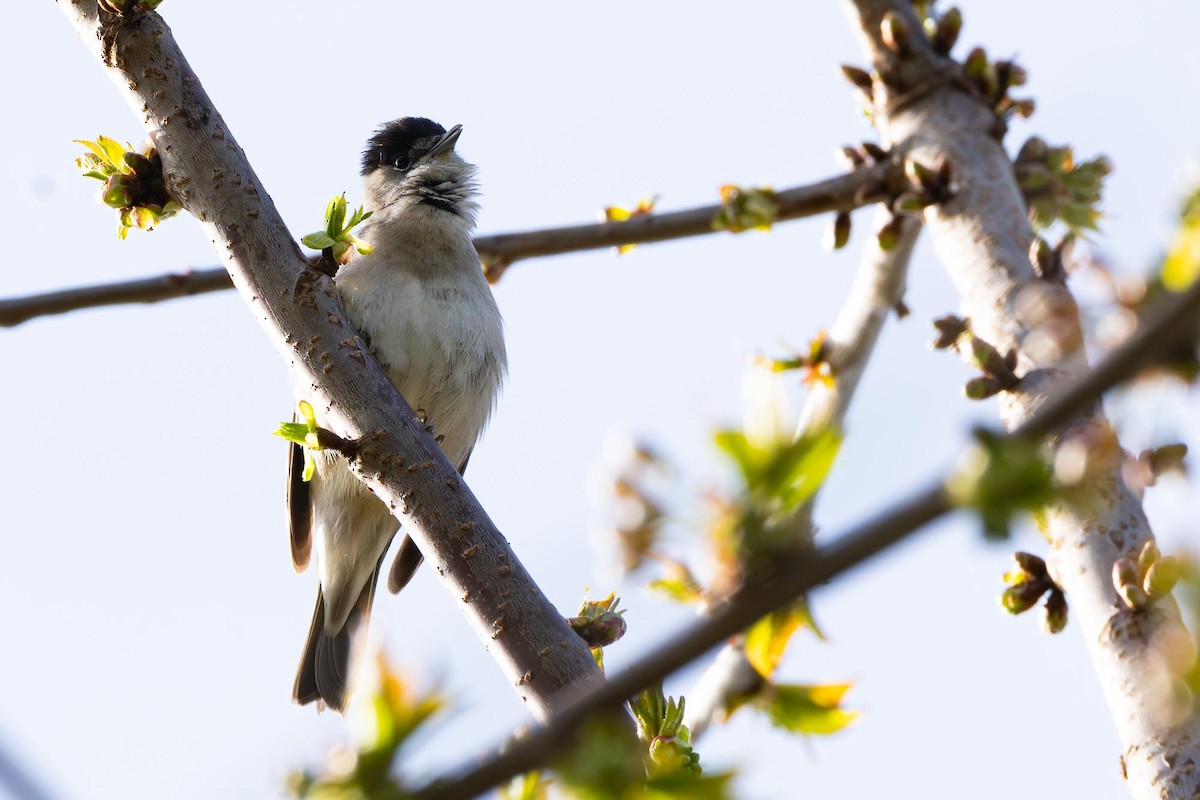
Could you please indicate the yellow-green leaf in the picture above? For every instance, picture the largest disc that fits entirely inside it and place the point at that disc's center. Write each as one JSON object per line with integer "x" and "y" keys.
{"x": 768, "y": 638}
{"x": 1182, "y": 264}
{"x": 809, "y": 709}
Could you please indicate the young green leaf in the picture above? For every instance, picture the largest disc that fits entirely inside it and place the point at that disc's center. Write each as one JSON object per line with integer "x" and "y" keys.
{"x": 809, "y": 709}
{"x": 768, "y": 638}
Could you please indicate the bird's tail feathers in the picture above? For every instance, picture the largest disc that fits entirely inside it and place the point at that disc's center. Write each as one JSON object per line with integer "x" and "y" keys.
{"x": 326, "y": 667}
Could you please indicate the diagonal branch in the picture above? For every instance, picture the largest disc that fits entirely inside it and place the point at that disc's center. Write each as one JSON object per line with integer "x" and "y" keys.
{"x": 496, "y": 252}
{"x": 795, "y": 579}
{"x": 878, "y": 288}
{"x": 300, "y": 312}
{"x": 983, "y": 239}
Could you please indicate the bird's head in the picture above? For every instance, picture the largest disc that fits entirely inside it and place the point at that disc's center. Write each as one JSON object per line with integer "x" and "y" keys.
{"x": 410, "y": 164}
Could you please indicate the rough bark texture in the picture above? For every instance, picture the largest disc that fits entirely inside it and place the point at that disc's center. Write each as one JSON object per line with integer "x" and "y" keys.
{"x": 983, "y": 238}
{"x": 208, "y": 173}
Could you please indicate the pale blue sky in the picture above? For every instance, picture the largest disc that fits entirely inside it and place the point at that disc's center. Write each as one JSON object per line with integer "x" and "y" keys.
{"x": 152, "y": 617}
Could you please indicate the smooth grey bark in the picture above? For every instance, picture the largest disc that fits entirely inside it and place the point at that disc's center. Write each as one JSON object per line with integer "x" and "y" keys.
{"x": 983, "y": 237}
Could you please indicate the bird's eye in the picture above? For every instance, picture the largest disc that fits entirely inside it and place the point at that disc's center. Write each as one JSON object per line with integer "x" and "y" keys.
{"x": 400, "y": 162}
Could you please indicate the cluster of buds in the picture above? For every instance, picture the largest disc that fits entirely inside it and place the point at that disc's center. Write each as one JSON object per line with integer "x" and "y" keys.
{"x": 998, "y": 370}
{"x": 336, "y": 242}
{"x": 926, "y": 186}
{"x": 1144, "y": 470}
{"x": 1056, "y": 187}
{"x": 644, "y": 208}
{"x": 1149, "y": 577}
{"x": 904, "y": 199}
{"x": 814, "y": 361}
{"x": 746, "y": 209}
{"x": 1050, "y": 263}
{"x": 1027, "y": 583}
{"x": 133, "y": 182}
{"x": 993, "y": 79}
{"x": 599, "y": 623}
{"x": 661, "y": 729}
{"x": 941, "y": 29}
{"x": 998, "y": 375}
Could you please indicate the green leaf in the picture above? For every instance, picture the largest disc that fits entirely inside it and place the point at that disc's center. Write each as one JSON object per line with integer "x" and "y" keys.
{"x": 294, "y": 432}
{"x": 306, "y": 411}
{"x": 362, "y": 247}
{"x": 336, "y": 216}
{"x": 677, "y": 589}
{"x": 790, "y": 472}
{"x": 768, "y": 638}
{"x": 1001, "y": 477}
{"x": 114, "y": 152}
{"x": 745, "y": 455}
{"x": 318, "y": 241}
{"x": 809, "y": 709}
{"x": 799, "y": 469}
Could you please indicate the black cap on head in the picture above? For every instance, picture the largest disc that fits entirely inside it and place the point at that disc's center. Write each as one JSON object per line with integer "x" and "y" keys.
{"x": 397, "y": 138}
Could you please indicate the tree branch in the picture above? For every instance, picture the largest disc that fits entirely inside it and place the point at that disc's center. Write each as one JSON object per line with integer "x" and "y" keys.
{"x": 878, "y": 288}
{"x": 496, "y": 252}
{"x": 298, "y": 308}
{"x": 982, "y": 236}
{"x": 797, "y": 578}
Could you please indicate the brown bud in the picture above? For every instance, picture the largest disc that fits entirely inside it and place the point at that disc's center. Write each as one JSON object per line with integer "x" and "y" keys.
{"x": 859, "y": 77}
{"x": 982, "y": 388}
{"x": 851, "y": 158}
{"x": 1031, "y": 564}
{"x": 949, "y": 329}
{"x": 1162, "y": 576}
{"x": 838, "y": 232}
{"x": 946, "y": 33}
{"x": 1020, "y": 597}
{"x": 874, "y": 151}
{"x": 1124, "y": 573}
{"x": 894, "y": 32}
{"x": 1054, "y": 612}
{"x": 889, "y": 234}
{"x": 1147, "y": 556}
{"x": 1035, "y": 150}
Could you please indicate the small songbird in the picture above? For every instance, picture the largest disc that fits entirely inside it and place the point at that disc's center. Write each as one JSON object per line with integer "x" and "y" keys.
{"x": 421, "y": 302}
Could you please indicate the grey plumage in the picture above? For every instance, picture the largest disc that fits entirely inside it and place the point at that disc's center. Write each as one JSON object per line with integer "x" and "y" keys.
{"x": 422, "y": 303}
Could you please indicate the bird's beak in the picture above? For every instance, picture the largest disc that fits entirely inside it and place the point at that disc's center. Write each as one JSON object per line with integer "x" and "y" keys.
{"x": 445, "y": 143}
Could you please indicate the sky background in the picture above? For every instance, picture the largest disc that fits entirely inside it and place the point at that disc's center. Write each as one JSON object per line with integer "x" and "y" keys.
{"x": 152, "y": 617}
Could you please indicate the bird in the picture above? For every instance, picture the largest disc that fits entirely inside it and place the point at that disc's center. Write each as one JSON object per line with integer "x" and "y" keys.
{"x": 421, "y": 302}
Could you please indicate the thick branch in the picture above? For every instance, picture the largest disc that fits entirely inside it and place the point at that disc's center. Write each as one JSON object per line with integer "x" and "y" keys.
{"x": 300, "y": 312}
{"x": 878, "y": 288}
{"x": 496, "y": 252}
{"x": 794, "y": 580}
{"x": 983, "y": 237}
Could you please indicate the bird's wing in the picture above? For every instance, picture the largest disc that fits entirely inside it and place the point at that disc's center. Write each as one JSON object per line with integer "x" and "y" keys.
{"x": 300, "y": 510}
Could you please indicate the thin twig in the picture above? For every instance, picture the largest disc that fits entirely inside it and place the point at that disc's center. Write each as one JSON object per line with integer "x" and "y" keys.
{"x": 796, "y": 579}
{"x": 496, "y": 251}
